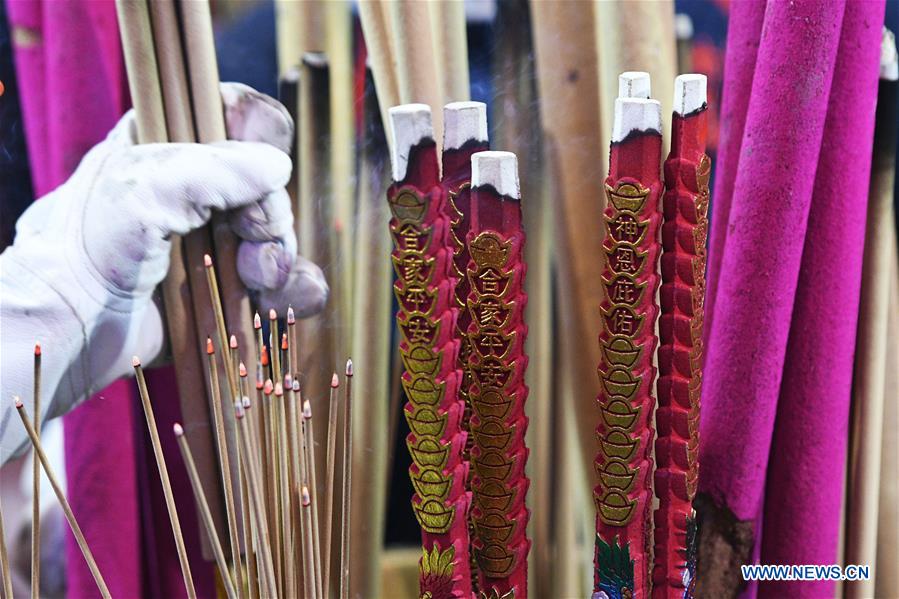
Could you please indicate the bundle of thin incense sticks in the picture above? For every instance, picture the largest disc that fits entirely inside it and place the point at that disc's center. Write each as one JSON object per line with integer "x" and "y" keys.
{"x": 627, "y": 427}
{"x": 462, "y": 333}
{"x": 275, "y": 544}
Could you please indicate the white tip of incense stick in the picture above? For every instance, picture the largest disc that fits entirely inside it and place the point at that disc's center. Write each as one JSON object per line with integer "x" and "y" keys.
{"x": 305, "y": 496}
{"x": 18, "y": 401}
{"x": 207, "y": 260}
{"x": 232, "y": 342}
{"x": 889, "y": 61}
{"x": 635, "y": 114}
{"x": 246, "y": 403}
{"x": 683, "y": 27}
{"x": 257, "y": 321}
{"x": 463, "y": 122}
{"x": 296, "y": 386}
{"x": 242, "y": 370}
{"x": 279, "y": 389}
{"x": 288, "y": 382}
{"x": 268, "y": 387}
{"x": 410, "y": 124}
{"x": 272, "y": 315}
{"x": 634, "y": 84}
{"x": 498, "y": 170}
{"x": 335, "y": 382}
{"x": 307, "y": 410}
{"x": 349, "y": 368}
{"x": 135, "y": 361}
{"x": 689, "y": 93}
{"x": 37, "y": 349}
{"x": 178, "y": 429}
{"x": 238, "y": 409}
{"x": 291, "y": 317}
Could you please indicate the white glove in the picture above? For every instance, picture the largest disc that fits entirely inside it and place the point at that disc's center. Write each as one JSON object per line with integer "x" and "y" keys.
{"x": 87, "y": 257}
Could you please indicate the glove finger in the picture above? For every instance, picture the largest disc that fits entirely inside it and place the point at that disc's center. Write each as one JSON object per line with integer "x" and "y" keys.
{"x": 267, "y": 220}
{"x": 124, "y": 134}
{"x": 185, "y": 182}
{"x": 253, "y": 116}
{"x": 305, "y": 290}
{"x": 266, "y": 265}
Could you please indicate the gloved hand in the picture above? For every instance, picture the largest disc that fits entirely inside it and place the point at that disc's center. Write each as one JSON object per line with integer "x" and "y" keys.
{"x": 88, "y": 256}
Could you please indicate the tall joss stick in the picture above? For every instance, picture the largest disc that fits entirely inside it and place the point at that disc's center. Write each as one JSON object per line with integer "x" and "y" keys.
{"x": 347, "y": 483}
{"x": 313, "y": 485}
{"x": 425, "y": 288}
{"x": 497, "y": 363}
{"x": 684, "y": 234}
{"x": 627, "y": 339}
{"x": 164, "y": 477}
{"x": 4, "y": 560}
{"x": 63, "y": 503}
{"x": 330, "y": 464}
{"x": 465, "y": 132}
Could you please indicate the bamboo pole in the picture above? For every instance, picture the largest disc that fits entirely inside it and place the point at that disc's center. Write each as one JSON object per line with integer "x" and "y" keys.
{"x": 416, "y": 64}
{"x": 566, "y": 64}
{"x": 450, "y": 37}
{"x": 379, "y": 41}
{"x": 183, "y": 297}
{"x": 36, "y": 484}
{"x": 371, "y": 348}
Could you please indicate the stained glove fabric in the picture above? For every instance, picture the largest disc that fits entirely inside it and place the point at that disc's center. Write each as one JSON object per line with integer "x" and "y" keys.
{"x": 87, "y": 258}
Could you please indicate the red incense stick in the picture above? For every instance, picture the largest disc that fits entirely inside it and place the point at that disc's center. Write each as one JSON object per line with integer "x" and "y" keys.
{"x": 464, "y": 134}
{"x": 425, "y": 288}
{"x": 684, "y": 235}
{"x": 497, "y": 363}
{"x": 624, "y": 462}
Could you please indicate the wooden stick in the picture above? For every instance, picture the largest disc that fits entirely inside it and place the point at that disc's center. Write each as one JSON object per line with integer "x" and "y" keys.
{"x": 164, "y": 477}
{"x": 292, "y": 342}
{"x": 218, "y": 310}
{"x": 451, "y": 49}
{"x": 4, "y": 561}
{"x": 246, "y": 515}
{"x": 347, "y": 482}
{"x": 372, "y": 328}
{"x": 376, "y": 28}
{"x": 63, "y": 502}
{"x": 416, "y": 65}
{"x": 299, "y": 467}
{"x": 273, "y": 483}
{"x": 313, "y": 485}
{"x": 329, "y": 484}
{"x": 273, "y": 345}
{"x": 205, "y": 513}
{"x": 224, "y": 464}
{"x": 36, "y": 485}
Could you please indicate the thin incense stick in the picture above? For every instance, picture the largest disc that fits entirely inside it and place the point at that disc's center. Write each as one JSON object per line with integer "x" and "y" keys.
{"x": 36, "y": 485}
{"x": 273, "y": 344}
{"x": 284, "y": 489}
{"x": 4, "y": 561}
{"x": 63, "y": 502}
{"x": 248, "y": 521}
{"x": 308, "y": 563}
{"x": 224, "y": 463}
{"x": 218, "y": 310}
{"x": 256, "y": 498}
{"x": 329, "y": 483}
{"x": 205, "y": 513}
{"x": 273, "y": 482}
{"x": 292, "y": 342}
{"x": 299, "y": 465}
{"x": 164, "y": 477}
{"x": 313, "y": 485}
{"x": 347, "y": 482}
